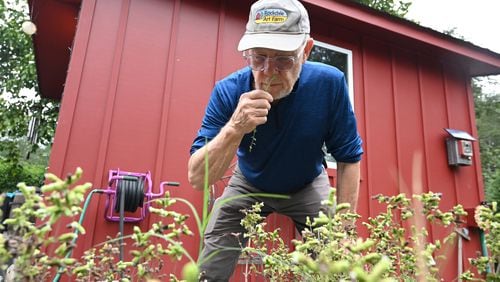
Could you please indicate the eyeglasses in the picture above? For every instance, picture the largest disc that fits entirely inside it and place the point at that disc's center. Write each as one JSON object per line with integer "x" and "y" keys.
{"x": 280, "y": 63}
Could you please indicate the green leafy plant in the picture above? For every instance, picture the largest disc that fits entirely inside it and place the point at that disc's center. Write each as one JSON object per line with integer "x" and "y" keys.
{"x": 22, "y": 109}
{"x": 147, "y": 258}
{"x": 30, "y": 236}
{"x": 12, "y": 170}
{"x": 327, "y": 251}
{"x": 31, "y": 225}
{"x": 488, "y": 219}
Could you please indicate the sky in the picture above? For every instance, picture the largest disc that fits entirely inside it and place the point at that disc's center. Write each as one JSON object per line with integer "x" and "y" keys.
{"x": 477, "y": 21}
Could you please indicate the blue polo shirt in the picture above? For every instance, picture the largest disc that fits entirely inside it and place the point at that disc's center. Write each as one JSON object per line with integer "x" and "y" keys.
{"x": 287, "y": 154}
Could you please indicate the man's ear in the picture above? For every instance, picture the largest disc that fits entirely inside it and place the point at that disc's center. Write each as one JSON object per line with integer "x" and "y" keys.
{"x": 308, "y": 48}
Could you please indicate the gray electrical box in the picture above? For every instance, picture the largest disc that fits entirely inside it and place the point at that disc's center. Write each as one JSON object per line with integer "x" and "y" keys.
{"x": 459, "y": 147}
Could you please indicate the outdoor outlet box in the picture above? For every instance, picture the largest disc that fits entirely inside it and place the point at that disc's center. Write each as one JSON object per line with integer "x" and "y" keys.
{"x": 459, "y": 147}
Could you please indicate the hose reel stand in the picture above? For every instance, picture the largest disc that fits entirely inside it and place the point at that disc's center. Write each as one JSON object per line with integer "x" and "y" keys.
{"x": 134, "y": 191}
{"x": 126, "y": 192}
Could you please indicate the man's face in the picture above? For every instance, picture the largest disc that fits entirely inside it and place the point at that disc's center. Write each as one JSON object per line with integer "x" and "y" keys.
{"x": 279, "y": 83}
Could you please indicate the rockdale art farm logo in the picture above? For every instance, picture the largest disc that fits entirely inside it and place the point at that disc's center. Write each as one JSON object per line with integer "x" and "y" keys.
{"x": 270, "y": 16}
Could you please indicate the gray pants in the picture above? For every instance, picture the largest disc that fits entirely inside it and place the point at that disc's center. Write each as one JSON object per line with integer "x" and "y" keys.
{"x": 225, "y": 220}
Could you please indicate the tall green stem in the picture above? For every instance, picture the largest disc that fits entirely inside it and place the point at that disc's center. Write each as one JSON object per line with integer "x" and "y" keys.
{"x": 206, "y": 197}
{"x": 253, "y": 140}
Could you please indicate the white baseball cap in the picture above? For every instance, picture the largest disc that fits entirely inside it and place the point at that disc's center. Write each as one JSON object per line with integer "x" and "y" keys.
{"x": 276, "y": 24}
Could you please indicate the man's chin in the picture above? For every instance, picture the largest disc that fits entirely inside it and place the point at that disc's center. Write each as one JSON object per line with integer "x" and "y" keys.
{"x": 280, "y": 95}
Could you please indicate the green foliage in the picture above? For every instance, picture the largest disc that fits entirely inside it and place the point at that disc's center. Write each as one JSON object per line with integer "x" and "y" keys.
{"x": 13, "y": 171}
{"x": 488, "y": 219}
{"x": 102, "y": 264}
{"x": 17, "y": 59}
{"x": 330, "y": 249}
{"x": 17, "y": 107}
{"x": 28, "y": 238}
{"x": 399, "y": 8}
{"x": 487, "y": 108}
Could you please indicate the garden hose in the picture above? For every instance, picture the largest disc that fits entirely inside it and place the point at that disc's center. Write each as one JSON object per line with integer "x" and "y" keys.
{"x": 80, "y": 221}
{"x": 132, "y": 189}
{"x": 130, "y": 196}
{"x": 125, "y": 193}
{"x": 484, "y": 248}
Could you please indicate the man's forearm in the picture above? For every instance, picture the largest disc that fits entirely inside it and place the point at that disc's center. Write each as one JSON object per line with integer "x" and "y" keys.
{"x": 220, "y": 152}
{"x": 348, "y": 176}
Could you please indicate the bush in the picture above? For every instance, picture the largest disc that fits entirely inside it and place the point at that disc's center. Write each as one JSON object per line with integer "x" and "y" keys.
{"x": 330, "y": 250}
{"x": 14, "y": 173}
{"x": 30, "y": 235}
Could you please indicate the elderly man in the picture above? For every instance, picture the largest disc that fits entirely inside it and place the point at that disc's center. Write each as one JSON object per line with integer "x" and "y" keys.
{"x": 275, "y": 115}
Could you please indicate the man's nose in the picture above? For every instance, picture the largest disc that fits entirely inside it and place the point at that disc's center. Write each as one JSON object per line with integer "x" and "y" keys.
{"x": 269, "y": 68}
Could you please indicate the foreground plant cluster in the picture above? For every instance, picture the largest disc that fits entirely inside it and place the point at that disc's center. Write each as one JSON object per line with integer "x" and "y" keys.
{"x": 397, "y": 247}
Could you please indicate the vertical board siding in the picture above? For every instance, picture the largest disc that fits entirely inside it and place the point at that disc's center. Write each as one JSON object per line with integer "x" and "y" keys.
{"x": 229, "y": 59}
{"x": 465, "y": 178}
{"x": 435, "y": 120}
{"x": 380, "y": 121}
{"x": 141, "y": 74}
{"x": 83, "y": 121}
{"x": 191, "y": 79}
{"x": 459, "y": 114}
{"x": 409, "y": 128}
{"x": 476, "y": 159}
{"x": 440, "y": 176}
{"x": 365, "y": 190}
{"x": 408, "y": 124}
{"x": 107, "y": 121}
{"x": 409, "y": 100}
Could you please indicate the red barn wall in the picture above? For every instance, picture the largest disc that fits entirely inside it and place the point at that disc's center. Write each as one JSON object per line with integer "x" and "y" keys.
{"x": 141, "y": 73}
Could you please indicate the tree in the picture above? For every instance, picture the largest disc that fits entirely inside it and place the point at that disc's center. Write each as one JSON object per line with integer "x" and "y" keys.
{"x": 20, "y": 101}
{"x": 487, "y": 107}
{"x": 399, "y": 9}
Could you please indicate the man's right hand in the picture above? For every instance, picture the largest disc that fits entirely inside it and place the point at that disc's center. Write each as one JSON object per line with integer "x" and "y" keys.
{"x": 251, "y": 111}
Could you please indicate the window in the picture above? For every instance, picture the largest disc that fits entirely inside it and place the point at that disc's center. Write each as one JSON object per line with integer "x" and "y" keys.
{"x": 342, "y": 59}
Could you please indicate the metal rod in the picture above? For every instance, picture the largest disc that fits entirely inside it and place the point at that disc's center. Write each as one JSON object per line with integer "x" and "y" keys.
{"x": 122, "y": 216}
{"x": 460, "y": 267}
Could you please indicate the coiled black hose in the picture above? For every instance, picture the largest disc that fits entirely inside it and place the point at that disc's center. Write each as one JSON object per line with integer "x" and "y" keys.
{"x": 133, "y": 189}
